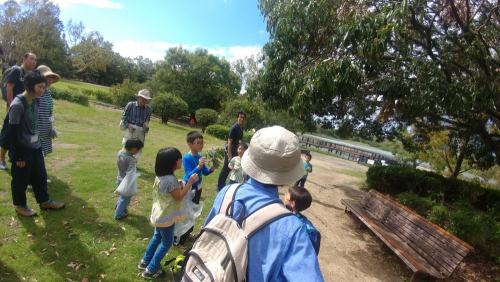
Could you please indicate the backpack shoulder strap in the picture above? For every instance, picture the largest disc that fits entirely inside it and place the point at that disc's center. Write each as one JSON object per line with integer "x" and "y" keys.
{"x": 229, "y": 197}
{"x": 263, "y": 216}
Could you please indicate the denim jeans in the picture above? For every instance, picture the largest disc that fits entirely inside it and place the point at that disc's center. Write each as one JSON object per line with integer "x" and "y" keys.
{"x": 158, "y": 247}
{"x": 122, "y": 204}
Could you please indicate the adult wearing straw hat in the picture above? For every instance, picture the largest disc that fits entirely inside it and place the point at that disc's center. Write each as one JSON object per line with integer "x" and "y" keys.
{"x": 46, "y": 128}
{"x": 135, "y": 119}
{"x": 281, "y": 250}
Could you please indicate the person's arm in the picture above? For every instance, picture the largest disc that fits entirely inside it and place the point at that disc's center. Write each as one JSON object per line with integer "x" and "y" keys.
{"x": 148, "y": 116}
{"x": 131, "y": 165}
{"x": 10, "y": 92}
{"x": 230, "y": 164}
{"x": 229, "y": 148}
{"x": 179, "y": 194}
{"x": 206, "y": 170}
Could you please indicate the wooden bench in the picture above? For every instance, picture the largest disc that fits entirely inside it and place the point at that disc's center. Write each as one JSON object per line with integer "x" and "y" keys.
{"x": 427, "y": 249}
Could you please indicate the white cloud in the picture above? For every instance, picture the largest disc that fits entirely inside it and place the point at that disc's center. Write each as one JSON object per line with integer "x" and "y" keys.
{"x": 156, "y": 50}
{"x": 88, "y": 30}
{"x": 96, "y": 3}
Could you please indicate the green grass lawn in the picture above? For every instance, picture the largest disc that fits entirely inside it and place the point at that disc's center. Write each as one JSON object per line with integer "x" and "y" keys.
{"x": 84, "y": 240}
{"x": 64, "y": 83}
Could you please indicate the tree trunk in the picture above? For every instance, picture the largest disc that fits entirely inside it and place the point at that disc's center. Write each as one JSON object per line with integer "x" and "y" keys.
{"x": 164, "y": 119}
{"x": 458, "y": 165}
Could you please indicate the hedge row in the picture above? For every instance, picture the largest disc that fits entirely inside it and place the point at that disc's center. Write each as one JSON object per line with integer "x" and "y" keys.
{"x": 395, "y": 180}
{"x": 74, "y": 97}
{"x": 222, "y": 132}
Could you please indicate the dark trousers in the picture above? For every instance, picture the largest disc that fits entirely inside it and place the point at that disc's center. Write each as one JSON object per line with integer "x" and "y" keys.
{"x": 196, "y": 200}
{"x": 224, "y": 172}
{"x": 300, "y": 182}
{"x": 34, "y": 172}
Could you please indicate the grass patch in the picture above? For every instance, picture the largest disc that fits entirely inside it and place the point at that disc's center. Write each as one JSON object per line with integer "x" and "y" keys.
{"x": 84, "y": 240}
{"x": 64, "y": 83}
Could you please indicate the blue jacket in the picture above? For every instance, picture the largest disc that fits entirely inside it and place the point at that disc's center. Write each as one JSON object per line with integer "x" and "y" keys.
{"x": 280, "y": 251}
{"x": 190, "y": 164}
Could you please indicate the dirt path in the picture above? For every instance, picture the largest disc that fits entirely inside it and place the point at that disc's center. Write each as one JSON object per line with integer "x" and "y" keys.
{"x": 346, "y": 254}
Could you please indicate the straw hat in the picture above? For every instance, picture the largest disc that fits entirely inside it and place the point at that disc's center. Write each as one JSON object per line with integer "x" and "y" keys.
{"x": 48, "y": 72}
{"x": 274, "y": 157}
{"x": 144, "y": 93}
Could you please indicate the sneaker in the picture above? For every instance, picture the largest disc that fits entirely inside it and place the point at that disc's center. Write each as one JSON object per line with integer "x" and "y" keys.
{"x": 51, "y": 205}
{"x": 25, "y": 211}
{"x": 153, "y": 275}
{"x": 3, "y": 166}
{"x": 142, "y": 265}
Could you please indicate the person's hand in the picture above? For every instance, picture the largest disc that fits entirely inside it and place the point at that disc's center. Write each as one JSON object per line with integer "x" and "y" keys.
{"x": 21, "y": 164}
{"x": 309, "y": 169}
{"x": 235, "y": 169}
{"x": 202, "y": 161}
{"x": 145, "y": 124}
{"x": 131, "y": 128}
{"x": 213, "y": 167}
{"x": 193, "y": 178}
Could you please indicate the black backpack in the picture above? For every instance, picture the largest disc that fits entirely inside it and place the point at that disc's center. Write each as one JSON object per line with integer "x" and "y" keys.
{"x": 6, "y": 73}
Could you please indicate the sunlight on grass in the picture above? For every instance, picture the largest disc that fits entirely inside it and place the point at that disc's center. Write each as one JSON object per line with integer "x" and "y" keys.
{"x": 64, "y": 83}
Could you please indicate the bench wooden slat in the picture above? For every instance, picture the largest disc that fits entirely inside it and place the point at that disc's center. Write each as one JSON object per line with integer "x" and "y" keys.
{"x": 365, "y": 218}
{"x": 422, "y": 245}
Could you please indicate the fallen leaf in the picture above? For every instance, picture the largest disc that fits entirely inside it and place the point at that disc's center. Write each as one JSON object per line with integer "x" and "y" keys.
{"x": 85, "y": 279}
{"x": 44, "y": 250}
{"x": 69, "y": 280}
{"x": 29, "y": 235}
{"x": 78, "y": 266}
{"x": 123, "y": 228}
{"x": 51, "y": 263}
{"x": 57, "y": 254}
{"x": 112, "y": 249}
{"x": 71, "y": 264}
{"x": 102, "y": 275}
{"x": 73, "y": 234}
{"x": 97, "y": 219}
{"x": 104, "y": 252}
{"x": 46, "y": 233}
{"x": 36, "y": 220}
{"x": 138, "y": 239}
{"x": 145, "y": 239}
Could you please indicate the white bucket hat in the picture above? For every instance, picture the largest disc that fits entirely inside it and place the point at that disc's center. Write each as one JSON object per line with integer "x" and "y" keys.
{"x": 144, "y": 93}
{"x": 274, "y": 157}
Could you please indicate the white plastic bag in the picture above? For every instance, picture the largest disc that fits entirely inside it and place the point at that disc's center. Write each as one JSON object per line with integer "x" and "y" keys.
{"x": 193, "y": 211}
{"x": 128, "y": 186}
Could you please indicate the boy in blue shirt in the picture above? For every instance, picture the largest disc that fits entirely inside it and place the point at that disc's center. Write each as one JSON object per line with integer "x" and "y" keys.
{"x": 309, "y": 169}
{"x": 194, "y": 162}
{"x": 299, "y": 199}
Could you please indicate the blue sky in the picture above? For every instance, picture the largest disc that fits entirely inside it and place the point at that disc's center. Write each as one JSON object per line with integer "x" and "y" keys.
{"x": 228, "y": 28}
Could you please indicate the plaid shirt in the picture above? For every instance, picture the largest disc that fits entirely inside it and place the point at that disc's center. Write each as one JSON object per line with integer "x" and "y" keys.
{"x": 133, "y": 114}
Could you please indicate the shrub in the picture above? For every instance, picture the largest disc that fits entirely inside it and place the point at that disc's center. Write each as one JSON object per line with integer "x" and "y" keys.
{"x": 439, "y": 214}
{"x": 420, "y": 205}
{"x": 103, "y": 96}
{"x": 74, "y": 88}
{"x": 252, "y": 110}
{"x": 219, "y": 131}
{"x": 168, "y": 106}
{"x": 88, "y": 92}
{"x": 124, "y": 92}
{"x": 206, "y": 117}
{"x": 247, "y": 136}
{"x": 77, "y": 98}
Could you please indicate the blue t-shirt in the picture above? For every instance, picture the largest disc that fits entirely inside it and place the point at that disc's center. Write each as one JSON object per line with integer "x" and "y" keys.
{"x": 190, "y": 164}
{"x": 306, "y": 166}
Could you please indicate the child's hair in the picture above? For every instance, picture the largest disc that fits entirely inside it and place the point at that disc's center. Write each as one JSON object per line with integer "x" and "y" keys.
{"x": 309, "y": 155}
{"x": 133, "y": 143}
{"x": 245, "y": 146}
{"x": 32, "y": 78}
{"x": 166, "y": 160}
{"x": 193, "y": 135}
{"x": 301, "y": 197}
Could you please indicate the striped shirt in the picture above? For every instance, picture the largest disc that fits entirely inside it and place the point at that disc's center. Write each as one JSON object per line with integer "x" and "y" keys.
{"x": 44, "y": 123}
{"x": 133, "y": 114}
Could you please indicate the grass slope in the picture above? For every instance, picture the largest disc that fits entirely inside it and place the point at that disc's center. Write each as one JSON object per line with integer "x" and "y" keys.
{"x": 64, "y": 83}
{"x": 84, "y": 240}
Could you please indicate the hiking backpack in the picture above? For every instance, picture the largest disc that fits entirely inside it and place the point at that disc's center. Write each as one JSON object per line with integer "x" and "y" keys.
{"x": 5, "y": 74}
{"x": 220, "y": 251}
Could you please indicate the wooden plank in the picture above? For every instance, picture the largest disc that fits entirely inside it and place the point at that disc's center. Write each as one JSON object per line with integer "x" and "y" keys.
{"x": 362, "y": 215}
{"x": 456, "y": 239}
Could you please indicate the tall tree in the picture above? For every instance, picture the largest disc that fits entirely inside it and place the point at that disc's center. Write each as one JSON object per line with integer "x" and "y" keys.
{"x": 34, "y": 25}
{"x": 91, "y": 55}
{"x": 201, "y": 79}
{"x": 378, "y": 67}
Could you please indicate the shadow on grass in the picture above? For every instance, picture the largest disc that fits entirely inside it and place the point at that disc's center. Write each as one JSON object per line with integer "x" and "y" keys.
{"x": 69, "y": 241}
{"x": 7, "y": 273}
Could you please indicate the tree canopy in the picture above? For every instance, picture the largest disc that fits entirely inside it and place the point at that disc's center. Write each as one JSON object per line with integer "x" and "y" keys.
{"x": 375, "y": 68}
{"x": 201, "y": 79}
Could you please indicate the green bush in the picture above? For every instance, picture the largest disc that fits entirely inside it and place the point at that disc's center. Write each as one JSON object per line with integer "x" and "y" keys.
{"x": 439, "y": 214}
{"x": 219, "y": 131}
{"x": 247, "y": 136}
{"x": 77, "y": 98}
{"x": 74, "y": 88}
{"x": 88, "y": 92}
{"x": 124, "y": 92}
{"x": 206, "y": 117}
{"x": 103, "y": 96}
{"x": 168, "y": 106}
{"x": 394, "y": 180}
{"x": 420, "y": 205}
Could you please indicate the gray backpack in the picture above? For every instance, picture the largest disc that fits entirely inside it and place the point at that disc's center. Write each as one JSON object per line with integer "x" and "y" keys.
{"x": 220, "y": 251}
{"x": 5, "y": 74}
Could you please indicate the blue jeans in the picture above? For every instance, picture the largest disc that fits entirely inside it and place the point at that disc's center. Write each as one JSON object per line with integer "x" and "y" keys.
{"x": 158, "y": 247}
{"x": 122, "y": 204}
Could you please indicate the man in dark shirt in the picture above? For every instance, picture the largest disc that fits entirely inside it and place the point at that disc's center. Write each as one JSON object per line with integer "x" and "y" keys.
{"x": 235, "y": 137}
{"x": 14, "y": 87}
